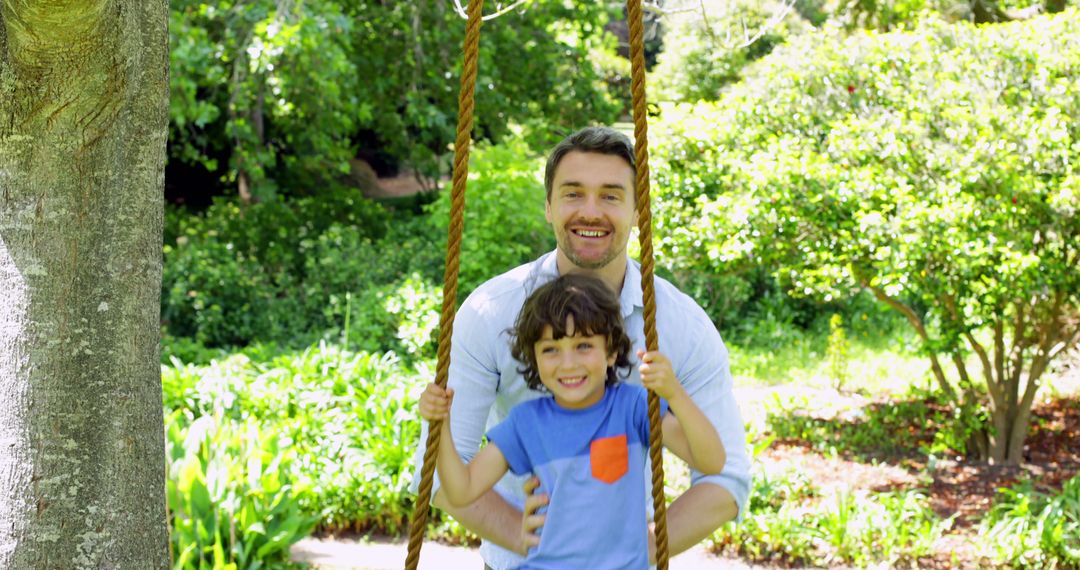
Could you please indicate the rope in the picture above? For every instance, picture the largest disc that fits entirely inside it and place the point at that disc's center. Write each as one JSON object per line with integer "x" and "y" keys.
{"x": 453, "y": 253}
{"x": 450, "y": 277}
{"x": 641, "y": 155}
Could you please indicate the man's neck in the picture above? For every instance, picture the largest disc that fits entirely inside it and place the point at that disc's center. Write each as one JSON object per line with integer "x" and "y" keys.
{"x": 613, "y": 274}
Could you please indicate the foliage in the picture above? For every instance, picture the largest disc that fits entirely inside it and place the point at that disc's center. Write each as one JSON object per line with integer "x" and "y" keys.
{"x": 920, "y": 421}
{"x": 838, "y": 351}
{"x": 1029, "y": 529}
{"x": 349, "y": 418}
{"x": 293, "y": 270}
{"x": 504, "y": 214}
{"x": 282, "y": 95}
{"x": 704, "y": 49}
{"x": 232, "y": 502}
{"x": 931, "y": 168}
{"x": 235, "y": 275}
{"x": 267, "y": 87}
{"x": 789, "y": 520}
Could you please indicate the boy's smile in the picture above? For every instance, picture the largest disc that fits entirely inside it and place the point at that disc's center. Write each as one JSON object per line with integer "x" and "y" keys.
{"x": 573, "y": 368}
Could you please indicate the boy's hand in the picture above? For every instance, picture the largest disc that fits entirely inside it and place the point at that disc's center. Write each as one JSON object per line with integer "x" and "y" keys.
{"x": 657, "y": 374}
{"x": 435, "y": 402}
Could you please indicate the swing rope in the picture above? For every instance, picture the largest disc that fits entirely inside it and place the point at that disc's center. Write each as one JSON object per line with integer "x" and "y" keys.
{"x": 453, "y": 254}
{"x": 450, "y": 276}
{"x": 641, "y": 155}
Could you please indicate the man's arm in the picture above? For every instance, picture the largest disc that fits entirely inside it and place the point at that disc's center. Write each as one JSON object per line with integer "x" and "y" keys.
{"x": 490, "y": 517}
{"x": 696, "y": 514}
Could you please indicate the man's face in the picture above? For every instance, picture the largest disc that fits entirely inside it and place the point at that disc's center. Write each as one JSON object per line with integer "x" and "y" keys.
{"x": 591, "y": 208}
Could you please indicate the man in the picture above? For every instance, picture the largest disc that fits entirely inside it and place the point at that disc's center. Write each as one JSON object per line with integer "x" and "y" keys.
{"x": 589, "y": 181}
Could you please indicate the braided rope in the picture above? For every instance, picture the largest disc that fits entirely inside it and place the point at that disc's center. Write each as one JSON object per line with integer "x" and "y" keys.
{"x": 450, "y": 277}
{"x": 641, "y": 155}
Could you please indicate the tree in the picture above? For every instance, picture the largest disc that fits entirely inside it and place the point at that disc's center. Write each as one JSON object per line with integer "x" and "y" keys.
{"x": 83, "y": 123}
{"x": 275, "y": 97}
{"x": 934, "y": 168}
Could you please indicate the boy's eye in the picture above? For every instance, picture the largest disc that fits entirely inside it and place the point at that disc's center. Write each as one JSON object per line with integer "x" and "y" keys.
{"x": 584, "y": 345}
{"x": 547, "y": 350}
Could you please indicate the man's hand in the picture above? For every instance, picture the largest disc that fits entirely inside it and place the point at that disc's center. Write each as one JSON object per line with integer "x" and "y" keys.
{"x": 530, "y": 521}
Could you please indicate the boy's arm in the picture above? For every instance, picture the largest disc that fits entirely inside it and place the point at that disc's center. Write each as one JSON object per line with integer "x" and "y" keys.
{"x": 691, "y": 436}
{"x": 462, "y": 484}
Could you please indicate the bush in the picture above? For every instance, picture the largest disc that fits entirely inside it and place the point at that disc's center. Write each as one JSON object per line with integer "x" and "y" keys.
{"x": 231, "y": 500}
{"x": 931, "y": 168}
{"x": 292, "y": 272}
{"x": 704, "y": 52}
{"x": 349, "y": 418}
{"x": 1030, "y": 529}
{"x": 504, "y": 213}
{"x": 234, "y": 275}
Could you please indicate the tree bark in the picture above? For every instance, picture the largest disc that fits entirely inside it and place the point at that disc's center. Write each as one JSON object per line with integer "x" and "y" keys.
{"x": 83, "y": 124}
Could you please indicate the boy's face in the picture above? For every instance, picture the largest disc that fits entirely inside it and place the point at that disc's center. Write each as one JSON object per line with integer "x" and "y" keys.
{"x": 574, "y": 367}
{"x": 591, "y": 208}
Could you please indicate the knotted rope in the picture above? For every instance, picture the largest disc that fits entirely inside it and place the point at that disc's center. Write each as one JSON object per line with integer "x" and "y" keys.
{"x": 453, "y": 252}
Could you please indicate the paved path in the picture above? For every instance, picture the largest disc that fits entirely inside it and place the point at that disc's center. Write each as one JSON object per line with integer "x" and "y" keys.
{"x": 345, "y": 554}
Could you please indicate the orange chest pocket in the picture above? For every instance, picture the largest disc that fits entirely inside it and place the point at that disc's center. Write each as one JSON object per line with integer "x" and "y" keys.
{"x": 609, "y": 458}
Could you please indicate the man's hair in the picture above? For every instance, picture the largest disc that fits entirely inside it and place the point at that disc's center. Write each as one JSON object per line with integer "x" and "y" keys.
{"x": 601, "y": 140}
{"x": 595, "y": 309}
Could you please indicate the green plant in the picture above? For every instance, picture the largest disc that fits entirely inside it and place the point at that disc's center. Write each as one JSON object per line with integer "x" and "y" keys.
{"x": 504, "y": 220}
{"x": 837, "y": 352}
{"x": 930, "y": 168}
{"x": 349, "y": 419}
{"x": 1027, "y": 528}
{"x": 893, "y": 527}
{"x": 704, "y": 48}
{"x": 232, "y": 502}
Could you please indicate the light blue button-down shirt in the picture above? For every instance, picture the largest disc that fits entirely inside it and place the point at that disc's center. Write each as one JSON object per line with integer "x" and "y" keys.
{"x": 487, "y": 384}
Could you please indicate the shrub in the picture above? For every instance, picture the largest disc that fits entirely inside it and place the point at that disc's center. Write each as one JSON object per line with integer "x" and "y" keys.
{"x": 234, "y": 275}
{"x": 703, "y": 49}
{"x": 350, "y": 419}
{"x": 1030, "y": 529}
{"x": 504, "y": 213}
{"x": 931, "y": 168}
{"x": 232, "y": 503}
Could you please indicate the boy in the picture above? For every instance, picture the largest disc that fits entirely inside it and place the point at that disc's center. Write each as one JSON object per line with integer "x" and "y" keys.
{"x": 588, "y": 442}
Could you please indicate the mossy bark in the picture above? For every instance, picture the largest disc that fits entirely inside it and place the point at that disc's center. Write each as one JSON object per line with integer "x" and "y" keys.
{"x": 83, "y": 125}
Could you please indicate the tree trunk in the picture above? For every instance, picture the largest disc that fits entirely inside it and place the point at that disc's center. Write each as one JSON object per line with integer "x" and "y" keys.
{"x": 83, "y": 123}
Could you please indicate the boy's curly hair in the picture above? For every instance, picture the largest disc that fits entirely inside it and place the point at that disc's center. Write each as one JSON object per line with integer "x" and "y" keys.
{"x": 596, "y": 311}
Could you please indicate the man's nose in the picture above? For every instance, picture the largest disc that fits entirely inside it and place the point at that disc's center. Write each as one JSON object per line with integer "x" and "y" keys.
{"x": 591, "y": 208}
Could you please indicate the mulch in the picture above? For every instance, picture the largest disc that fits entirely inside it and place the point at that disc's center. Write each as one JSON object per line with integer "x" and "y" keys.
{"x": 956, "y": 486}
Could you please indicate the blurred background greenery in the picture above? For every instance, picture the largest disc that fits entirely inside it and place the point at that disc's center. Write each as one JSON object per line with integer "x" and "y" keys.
{"x": 875, "y": 202}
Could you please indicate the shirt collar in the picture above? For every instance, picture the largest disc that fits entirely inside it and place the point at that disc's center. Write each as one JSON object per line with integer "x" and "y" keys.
{"x": 630, "y": 297}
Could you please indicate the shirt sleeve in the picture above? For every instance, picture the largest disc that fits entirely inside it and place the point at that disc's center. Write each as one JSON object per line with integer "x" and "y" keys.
{"x": 507, "y": 438}
{"x": 474, "y": 376}
{"x": 641, "y": 414}
{"x": 707, "y": 377}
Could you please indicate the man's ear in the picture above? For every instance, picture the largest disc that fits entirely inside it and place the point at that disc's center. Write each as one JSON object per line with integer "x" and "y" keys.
{"x": 547, "y": 210}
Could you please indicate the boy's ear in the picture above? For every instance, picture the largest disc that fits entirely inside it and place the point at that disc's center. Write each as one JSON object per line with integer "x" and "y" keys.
{"x": 611, "y": 359}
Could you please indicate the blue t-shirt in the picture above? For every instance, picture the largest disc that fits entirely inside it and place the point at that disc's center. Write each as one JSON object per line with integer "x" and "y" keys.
{"x": 590, "y": 462}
